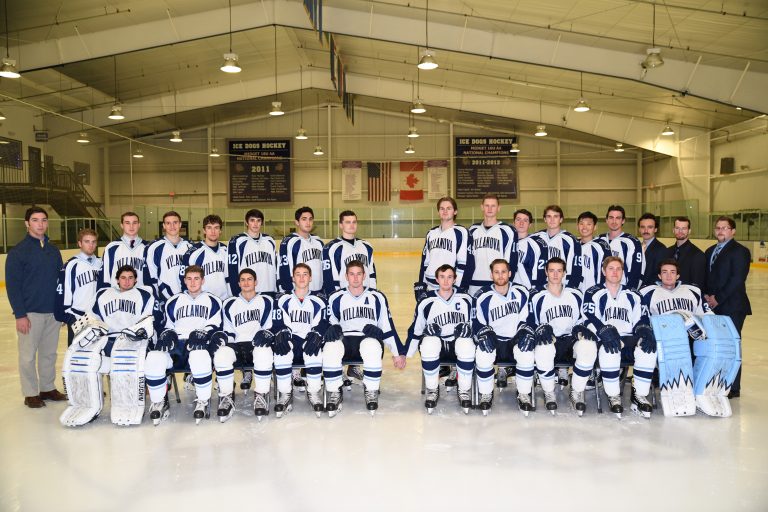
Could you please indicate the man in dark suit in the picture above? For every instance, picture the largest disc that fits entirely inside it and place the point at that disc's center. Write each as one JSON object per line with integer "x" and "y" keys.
{"x": 725, "y": 290}
{"x": 690, "y": 259}
{"x": 653, "y": 250}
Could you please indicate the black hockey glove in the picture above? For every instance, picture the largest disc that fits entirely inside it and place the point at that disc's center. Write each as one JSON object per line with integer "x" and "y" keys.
{"x": 419, "y": 291}
{"x": 333, "y": 333}
{"x": 313, "y": 343}
{"x": 646, "y": 338}
{"x": 373, "y": 331}
{"x": 463, "y": 330}
{"x": 525, "y": 338}
{"x": 610, "y": 339}
{"x": 433, "y": 329}
{"x": 582, "y": 331}
{"x": 198, "y": 340}
{"x": 167, "y": 340}
{"x": 544, "y": 335}
{"x": 219, "y": 339}
{"x": 486, "y": 339}
{"x": 282, "y": 342}
{"x": 263, "y": 338}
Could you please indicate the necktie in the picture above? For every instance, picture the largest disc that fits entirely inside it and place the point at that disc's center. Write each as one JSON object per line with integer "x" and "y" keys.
{"x": 644, "y": 246}
{"x": 714, "y": 256}
{"x": 90, "y": 259}
{"x": 132, "y": 242}
{"x": 677, "y": 252}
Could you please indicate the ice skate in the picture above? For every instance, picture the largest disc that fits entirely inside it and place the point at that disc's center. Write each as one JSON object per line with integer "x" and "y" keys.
{"x": 315, "y": 399}
{"x": 245, "y": 384}
{"x": 502, "y": 374}
{"x": 202, "y": 411}
{"x": 524, "y": 403}
{"x": 284, "y": 404}
{"x": 189, "y": 382}
{"x": 614, "y": 402}
{"x": 226, "y": 408}
{"x": 486, "y": 402}
{"x": 298, "y": 381}
{"x": 159, "y": 411}
{"x": 260, "y": 405}
{"x": 431, "y": 398}
{"x": 577, "y": 401}
{"x": 451, "y": 380}
{"x": 465, "y": 401}
{"x": 353, "y": 372}
{"x": 371, "y": 400}
{"x": 562, "y": 377}
{"x": 550, "y": 400}
{"x": 335, "y": 398}
{"x": 640, "y": 405}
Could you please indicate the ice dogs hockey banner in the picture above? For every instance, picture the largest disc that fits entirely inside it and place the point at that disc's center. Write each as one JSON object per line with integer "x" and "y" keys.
{"x": 411, "y": 181}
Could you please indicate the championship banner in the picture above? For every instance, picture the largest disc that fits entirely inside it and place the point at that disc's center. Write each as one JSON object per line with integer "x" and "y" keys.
{"x": 351, "y": 180}
{"x": 259, "y": 170}
{"x": 379, "y": 182}
{"x": 412, "y": 181}
{"x": 437, "y": 179}
{"x": 485, "y": 165}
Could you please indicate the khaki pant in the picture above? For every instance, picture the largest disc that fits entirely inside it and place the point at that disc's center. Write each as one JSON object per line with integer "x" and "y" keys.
{"x": 37, "y": 354}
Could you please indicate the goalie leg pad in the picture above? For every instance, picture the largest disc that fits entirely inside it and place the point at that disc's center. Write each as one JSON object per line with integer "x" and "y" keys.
{"x": 484, "y": 370}
{"x": 202, "y": 373}
{"x": 524, "y": 369}
{"x": 127, "y": 382}
{"x": 333, "y": 353}
{"x": 544, "y": 355}
{"x": 675, "y": 368}
{"x": 430, "y": 360}
{"x": 718, "y": 358}
{"x": 224, "y": 362}
{"x": 371, "y": 353}
{"x": 83, "y": 383}
{"x": 155, "y": 366}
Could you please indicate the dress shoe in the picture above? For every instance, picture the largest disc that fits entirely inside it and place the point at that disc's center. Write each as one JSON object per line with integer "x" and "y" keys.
{"x": 734, "y": 394}
{"x": 54, "y": 395}
{"x": 33, "y": 402}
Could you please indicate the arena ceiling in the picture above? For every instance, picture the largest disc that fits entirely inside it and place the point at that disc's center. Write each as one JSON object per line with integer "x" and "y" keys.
{"x": 503, "y": 64}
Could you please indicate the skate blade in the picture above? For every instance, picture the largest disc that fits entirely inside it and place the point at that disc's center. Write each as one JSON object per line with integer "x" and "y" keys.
{"x": 430, "y": 410}
{"x": 636, "y": 410}
{"x": 525, "y": 413}
{"x": 465, "y": 409}
{"x": 485, "y": 412}
{"x": 553, "y": 411}
{"x": 223, "y": 419}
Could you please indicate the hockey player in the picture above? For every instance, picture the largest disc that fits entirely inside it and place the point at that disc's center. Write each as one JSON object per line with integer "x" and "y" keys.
{"x": 300, "y": 323}
{"x": 491, "y": 239}
{"x": 255, "y": 250}
{"x": 531, "y": 253}
{"x": 445, "y": 244}
{"x": 624, "y": 246}
{"x": 441, "y": 331}
{"x": 503, "y": 336}
{"x": 625, "y": 336}
{"x": 593, "y": 252}
{"x": 211, "y": 256}
{"x": 669, "y": 295}
{"x": 301, "y": 247}
{"x": 78, "y": 282}
{"x": 561, "y": 244}
{"x": 360, "y": 326}
{"x": 129, "y": 250}
{"x": 340, "y": 251}
{"x": 191, "y": 319}
{"x": 556, "y": 313}
{"x": 247, "y": 325}
{"x": 165, "y": 260}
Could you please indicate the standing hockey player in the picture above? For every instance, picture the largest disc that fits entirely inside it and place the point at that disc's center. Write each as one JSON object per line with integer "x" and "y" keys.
{"x": 191, "y": 319}
{"x": 340, "y": 251}
{"x": 211, "y": 256}
{"x": 624, "y": 335}
{"x": 556, "y": 313}
{"x": 442, "y": 331}
{"x": 255, "y": 250}
{"x": 300, "y": 324}
{"x": 491, "y": 239}
{"x": 445, "y": 244}
{"x": 165, "y": 260}
{"x": 593, "y": 252}
{"x": 128, "y": 250}
{"x": 360, "y": 326}
{"x": 531, "y": 253}
{"x": 78, "y": 281}
{"x": 247, "y": 324}
{"x": 302, "y": 247}
{"x": 503, "y": 336}
{"x": 561, "y": 244}
{"x": 625, "y": 246}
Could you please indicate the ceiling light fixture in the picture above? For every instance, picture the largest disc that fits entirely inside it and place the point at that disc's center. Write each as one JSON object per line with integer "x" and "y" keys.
{"x": 515, "y": 148}
{"x": 301, "y": 134}
{"x": 214, "y": 153}
{"x": 667, "y": 131}
{"x": 176, "y": 136}
{"x": 318, "y": 148}
{"x": 83, "y": 138}
{"x": 277, "y": 107}
{"x": 138, "y": 153}
{"x": 541, "y": 131}
{"x": 409, "y": 149}
{"x": 427, "y": 60}
{"x": 418, "y": 107}
{"x": 582, "y": 105}
{"x": 230, "y": 59}
{"x": 619, "y": 147}
{"x": 2, "y": 116}
{"x": 117, "y": 110}
{"x": 8, "y": 69}
{"x": 412, "y": 133}
{"x": 653, "y": 54}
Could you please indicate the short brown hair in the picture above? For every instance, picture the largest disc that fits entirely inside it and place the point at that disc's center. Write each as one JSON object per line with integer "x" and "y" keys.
{"x": 171, "y": 213}
{"x": 85, "y": 232}
{"x": 554, "y": 208}
{"x": 445, "y": 268}
{"x": 449, "y": 200}
{"x": 729, "y": 220}
{"x": 129, "y": 214}
{"x": 490, "y": 195}
{"x": 192, "y": 269}
{"x": 499, "y": 261}
{"x": 304, "y": 266}
{"x": 611, "y": 259}
{"x": 355, "y": 263}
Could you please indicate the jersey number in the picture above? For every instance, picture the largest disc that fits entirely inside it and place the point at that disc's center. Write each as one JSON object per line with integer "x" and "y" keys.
{"x": 233, "y": 259}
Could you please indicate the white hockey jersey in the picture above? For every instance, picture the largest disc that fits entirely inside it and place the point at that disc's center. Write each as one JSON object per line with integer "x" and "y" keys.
{"x": 503, "y": 313}
{"x": 259, "y": 255}
{"x": 458, "y": 309}
{"x": 531, "y": 262}
{"x": 657, "y": 300}
{"x": 629, "y": 249}
{"x": 623, "y": 311}
{"x": 120, "y": 310}
{"x": 565, "y": 246}
{"x": 562, "y": 312}
{"x": 441, "y": 247}
{"x": 488, "y": 244}
{"x": 244, "y": 318}
{"x": 340, "y": 251}
{"x": 76, "y": 287}
{"x": 119, "y": 253}
{"x": 592, "y": 255}
{"x": 164, "y": 267}
{"x": 294, "y": 249}
{"x": 215, "y": 264}
{"x": 184, "y": 313}
{"x": 354, "y": 313}
{"x": 301, "y": 316}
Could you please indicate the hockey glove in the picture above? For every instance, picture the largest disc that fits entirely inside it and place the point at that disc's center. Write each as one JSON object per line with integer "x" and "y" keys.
{"x": 693, "y": 326}
{"x": 263, "y": 338}
{"x": 219, "y": 339}
{"x": 433, "y": 329}
{"x": 544, "y": 335}
{"x": 283, "y": 342}
{"x": 646, "y": 338}
{"x": 333, "y": 333}
{"x": 373, "y": 331}
{"x": 581, "y": 331}
{"x": 610, "y": 339}
{"x": 198, "y": 340}
{"x": 463, "y": 330}
{"x": 141, "y": 330}
{"x": 313, "y": 343}
{"x": 167, "y": 340}
{"x": 419, "y": 291}
{"x": 486, "y": 339}
{"x": 526, "y": 338}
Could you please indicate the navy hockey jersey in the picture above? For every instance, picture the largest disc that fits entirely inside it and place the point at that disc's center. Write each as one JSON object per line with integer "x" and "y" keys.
{"x": 630, "y": 250}
{"x": 562, "y": 312}
{"x": 592, "y": 255}
{"x": 488, "y": 244}
{"x": 76, "y": 287}
{"x": 623, "y": 311}
{"x": 565, "y": 246}
{"x": 294, "y": 249}
{"x": 244, "y": 318}
{"x": 503, "y": 313}
{"x": 120, "y": 253}
{"x": 123, "y": 309}
{"x": 531, "y": 262}
{"x": 301, "y": 315}
{"x": 164, "y": 267}
{"x": 215, "y": 263}
{"x": 657, "y": 300}
{"x": 370, "y": 307}
{"x": 445, "y": 246}
{"x": 447, "y": 313}
{"x": 259, "y": 255}
{"x": 340, "y": 251}
{"x": 185, "y": 313}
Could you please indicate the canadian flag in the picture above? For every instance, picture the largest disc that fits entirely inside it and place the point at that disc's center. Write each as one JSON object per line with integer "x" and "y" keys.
{"x": 411, "y": 181}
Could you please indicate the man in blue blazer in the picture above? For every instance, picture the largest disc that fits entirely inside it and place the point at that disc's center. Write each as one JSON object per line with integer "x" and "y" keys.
{"x": 725, "y": 290}
{"x": 654, "y": 251}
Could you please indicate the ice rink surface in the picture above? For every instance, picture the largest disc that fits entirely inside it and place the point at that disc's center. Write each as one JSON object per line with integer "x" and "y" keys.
{"x": 401, "y": 459}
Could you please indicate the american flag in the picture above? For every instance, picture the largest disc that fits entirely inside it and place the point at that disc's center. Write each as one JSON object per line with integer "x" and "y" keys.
{"x": 379, "y": 181}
